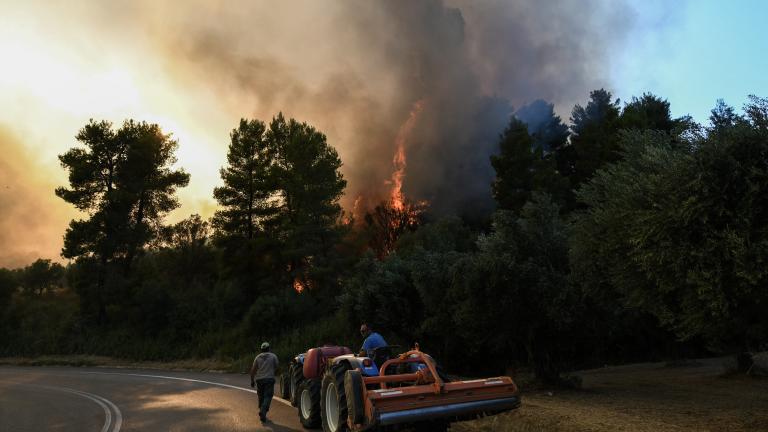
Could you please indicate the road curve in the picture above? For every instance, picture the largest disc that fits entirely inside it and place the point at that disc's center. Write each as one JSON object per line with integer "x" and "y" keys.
{"x": 124, "y": 400}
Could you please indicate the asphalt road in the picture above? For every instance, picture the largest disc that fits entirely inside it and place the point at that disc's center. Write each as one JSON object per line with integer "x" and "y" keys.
{"x": 112, "y": 400}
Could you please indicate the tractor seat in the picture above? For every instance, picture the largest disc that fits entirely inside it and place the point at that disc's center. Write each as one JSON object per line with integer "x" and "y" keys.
{"x": 381, "y": 355}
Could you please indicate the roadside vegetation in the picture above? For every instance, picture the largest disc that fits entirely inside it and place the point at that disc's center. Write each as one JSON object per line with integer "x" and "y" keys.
{"x": 704, "y": 395}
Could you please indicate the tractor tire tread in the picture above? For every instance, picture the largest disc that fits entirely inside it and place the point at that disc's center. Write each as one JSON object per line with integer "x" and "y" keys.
{"x": 297, "y": 377}
{"x": 313, "y": 386}
{"x": 336, "y": 373}
{"x": 285, "y": 386}
{"x": 353, "y": 386}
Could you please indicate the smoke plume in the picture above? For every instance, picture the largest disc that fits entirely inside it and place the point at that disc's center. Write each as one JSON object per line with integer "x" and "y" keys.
{"x": 31, "y": 221}
{"x": 354, "y": 70}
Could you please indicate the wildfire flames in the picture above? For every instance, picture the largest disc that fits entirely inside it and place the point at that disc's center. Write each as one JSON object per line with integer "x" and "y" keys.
{"x": 396, "y": 198}
{"x": 298, "y": 285}
{"x": 385, "y": 222}
{"x": 388, "y": 221}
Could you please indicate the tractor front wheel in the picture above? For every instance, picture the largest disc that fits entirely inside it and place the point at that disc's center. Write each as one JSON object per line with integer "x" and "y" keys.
{"x": 353, "y": 389}
{"x": 309, "y": 403}
{"x": 333, "y": 400}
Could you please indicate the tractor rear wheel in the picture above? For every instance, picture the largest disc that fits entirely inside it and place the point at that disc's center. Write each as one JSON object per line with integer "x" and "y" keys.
{"x": 296, "y": 373}
{"x": 309, "y": 403}
{"x": 333, "y": 399}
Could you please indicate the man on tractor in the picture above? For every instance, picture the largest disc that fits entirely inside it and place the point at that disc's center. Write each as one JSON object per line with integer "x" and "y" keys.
{"x": 372, "y": 341}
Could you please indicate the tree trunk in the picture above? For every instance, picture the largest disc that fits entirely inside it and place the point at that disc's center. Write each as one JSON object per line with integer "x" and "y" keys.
{"x": 101, "y": 314}
{"x": 134, "y": 241}
{"x": 543, "y": 367}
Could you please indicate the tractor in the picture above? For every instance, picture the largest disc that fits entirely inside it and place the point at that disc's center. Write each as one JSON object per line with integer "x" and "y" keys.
{"x": 335, "y": 389}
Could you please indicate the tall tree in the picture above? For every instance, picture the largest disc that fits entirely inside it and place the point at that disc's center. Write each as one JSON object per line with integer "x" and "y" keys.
{"x": 594, "y": 141}
{"x": 514, "y": 166}
{"x": 522, "y": 166}
{"x": 281, "y": 194}
{"x": 647, "y": 112}
{"x": 147, "y": 182}
{"x": 123, "y": 179}
{"x": 310, "y": 186}
{"x": 250, "y": 185}
{"x": 723, "y": 118}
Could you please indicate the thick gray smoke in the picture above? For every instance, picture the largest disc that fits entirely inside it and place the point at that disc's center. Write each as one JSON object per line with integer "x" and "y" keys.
{"x": 470, "y": 62}
{"x": 356, "y": 70}
{"x": 353, "y": 69}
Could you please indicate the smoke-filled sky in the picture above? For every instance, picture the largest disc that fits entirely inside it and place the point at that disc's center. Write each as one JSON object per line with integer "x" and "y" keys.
{"x": 354, "y": 70}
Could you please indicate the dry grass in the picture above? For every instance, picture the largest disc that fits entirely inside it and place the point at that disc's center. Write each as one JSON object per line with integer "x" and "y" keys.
{"x": 646, "y": 398}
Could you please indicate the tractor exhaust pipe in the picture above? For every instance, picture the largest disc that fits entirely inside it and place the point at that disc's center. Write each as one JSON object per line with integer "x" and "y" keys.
{"x": 443, "y": 411}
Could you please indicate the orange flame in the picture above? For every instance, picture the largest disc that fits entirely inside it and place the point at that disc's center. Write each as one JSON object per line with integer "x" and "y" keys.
{"x": 396, "y": 197}
{"x": 298, "y": 286}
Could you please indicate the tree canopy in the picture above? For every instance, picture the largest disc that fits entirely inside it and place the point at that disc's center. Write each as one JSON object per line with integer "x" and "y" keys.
{"x": 681, "y": 232}
{"x": 125, "y": 181}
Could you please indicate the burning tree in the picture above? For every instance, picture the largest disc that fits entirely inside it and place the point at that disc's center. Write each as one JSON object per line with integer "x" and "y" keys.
{"x": 392, "y": 218}
{"x": 387, "y": 222}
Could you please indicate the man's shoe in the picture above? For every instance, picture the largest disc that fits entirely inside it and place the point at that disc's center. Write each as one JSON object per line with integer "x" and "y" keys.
{"x": 263, "y": 418}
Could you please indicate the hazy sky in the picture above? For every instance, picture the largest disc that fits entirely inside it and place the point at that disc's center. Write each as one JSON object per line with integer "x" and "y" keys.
{"x": 353, "y": 69}
{"x": 693, "y": 53}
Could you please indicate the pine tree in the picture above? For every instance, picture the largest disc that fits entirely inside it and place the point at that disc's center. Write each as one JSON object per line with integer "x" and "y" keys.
{"x": 123, "y": 179}
{"x": 249, "y": 183}
{"x": 594, "y": 140}
{"x": 522, "y": 166}
{"x": 310, "y": 186}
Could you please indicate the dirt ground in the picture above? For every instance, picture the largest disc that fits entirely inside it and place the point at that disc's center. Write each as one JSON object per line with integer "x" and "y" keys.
{"x": 650, "y": 397}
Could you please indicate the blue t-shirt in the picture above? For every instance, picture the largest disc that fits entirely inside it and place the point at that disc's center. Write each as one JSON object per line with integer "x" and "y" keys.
{"x": 373, "y": 341}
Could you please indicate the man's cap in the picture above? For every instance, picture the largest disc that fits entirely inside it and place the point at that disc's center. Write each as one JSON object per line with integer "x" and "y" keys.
{"x": 264, "y": 345}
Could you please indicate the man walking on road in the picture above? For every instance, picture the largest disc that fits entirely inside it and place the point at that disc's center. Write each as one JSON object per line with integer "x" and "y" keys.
{"x": 263, "y": 378}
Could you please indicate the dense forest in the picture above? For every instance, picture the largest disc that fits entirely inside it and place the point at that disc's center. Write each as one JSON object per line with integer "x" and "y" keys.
{"x": 624, "y": 235}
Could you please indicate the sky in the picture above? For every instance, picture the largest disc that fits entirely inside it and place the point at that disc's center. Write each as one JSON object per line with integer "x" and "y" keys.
{"x": 695, "y": 53}
{"x": 354, "y": 70}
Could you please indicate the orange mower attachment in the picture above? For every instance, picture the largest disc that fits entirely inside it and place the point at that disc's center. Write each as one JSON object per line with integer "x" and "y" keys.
{"x": 421, "y": 396}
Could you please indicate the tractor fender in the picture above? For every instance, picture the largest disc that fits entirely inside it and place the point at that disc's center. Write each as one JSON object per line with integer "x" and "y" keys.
{"x": 299, "y": 359}
{"x": 316, "y": 358}
{"x": 356, "y": 362}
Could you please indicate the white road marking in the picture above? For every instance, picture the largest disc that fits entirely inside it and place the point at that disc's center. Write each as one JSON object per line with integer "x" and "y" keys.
{"x": 105, "y": 404}
{"x": 279, "y": 399}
